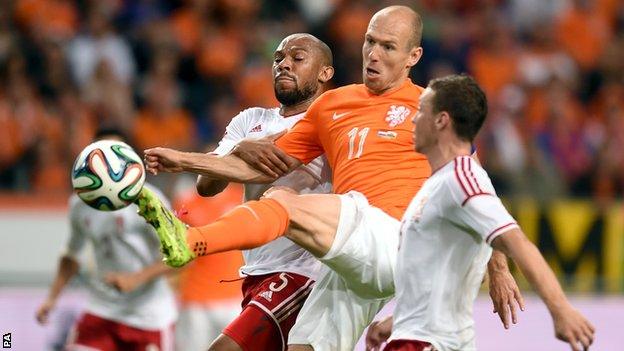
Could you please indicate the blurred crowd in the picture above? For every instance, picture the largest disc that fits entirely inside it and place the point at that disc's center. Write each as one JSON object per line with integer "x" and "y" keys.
{"x": 173, "y": 73}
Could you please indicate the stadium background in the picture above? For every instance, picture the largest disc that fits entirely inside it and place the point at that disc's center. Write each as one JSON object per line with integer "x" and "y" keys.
{"x": 173, "y": 73}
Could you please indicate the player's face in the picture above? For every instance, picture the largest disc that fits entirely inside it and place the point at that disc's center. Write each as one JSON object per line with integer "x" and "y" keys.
{"x": 386, "y": 54}
{"x": 295, "y": 70}
{"x": 424, "y": 131}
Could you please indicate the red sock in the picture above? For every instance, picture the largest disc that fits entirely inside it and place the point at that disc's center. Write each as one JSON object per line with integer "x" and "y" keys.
{"x": 247, "y": 226}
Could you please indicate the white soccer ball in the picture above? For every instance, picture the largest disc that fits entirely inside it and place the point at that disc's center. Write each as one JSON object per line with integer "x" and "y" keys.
{"x": 108, "y": 175}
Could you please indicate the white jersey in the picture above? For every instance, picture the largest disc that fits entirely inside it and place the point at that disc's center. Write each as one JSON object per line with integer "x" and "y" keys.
{"x": 281, "y": 255}
{"x": 122, "y": 242}
{"x": 446, "y": 234}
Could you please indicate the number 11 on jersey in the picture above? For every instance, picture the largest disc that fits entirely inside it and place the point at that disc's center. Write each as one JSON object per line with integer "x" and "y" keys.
{"x": 353, "y": 134}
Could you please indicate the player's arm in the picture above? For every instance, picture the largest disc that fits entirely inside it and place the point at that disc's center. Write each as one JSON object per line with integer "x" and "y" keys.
{"x": 283, "y": 152}
{"x": 503, "y": 288}
{"x": 66, "y": 270}
{"x": 129, "y": 281}
{"x": 234, "y": 139}
{"x": 68, "y": 265}
{"x": 229, "y": 167}
{"x": 263, "y": 155}
{"x": 207, "y": 186}
{"x": 570, "y": 325}
{"x": 301, "y": 144}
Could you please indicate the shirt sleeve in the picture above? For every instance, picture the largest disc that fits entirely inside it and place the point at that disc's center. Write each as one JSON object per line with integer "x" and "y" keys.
{"x": 475, "y": 204}
{"x": 302, "y": 140}
{"x": 234, "y": 132}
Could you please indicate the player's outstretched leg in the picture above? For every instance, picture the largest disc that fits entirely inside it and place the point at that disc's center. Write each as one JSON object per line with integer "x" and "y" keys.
{"x": 171, "y": 231}
{"x": 247, "y": 226}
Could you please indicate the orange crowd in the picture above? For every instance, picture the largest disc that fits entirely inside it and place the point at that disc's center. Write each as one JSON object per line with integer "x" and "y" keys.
{"x": 174, "y": 73}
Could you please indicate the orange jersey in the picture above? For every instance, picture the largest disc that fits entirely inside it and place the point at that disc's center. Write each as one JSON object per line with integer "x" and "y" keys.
{"x": 368, "y": 142}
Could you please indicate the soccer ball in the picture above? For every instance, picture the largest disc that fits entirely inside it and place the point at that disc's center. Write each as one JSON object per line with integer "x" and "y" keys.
{"x": 108, "y": 175}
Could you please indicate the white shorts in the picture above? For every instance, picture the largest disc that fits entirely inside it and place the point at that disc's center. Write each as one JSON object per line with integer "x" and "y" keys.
{"x": 356, "y": 282}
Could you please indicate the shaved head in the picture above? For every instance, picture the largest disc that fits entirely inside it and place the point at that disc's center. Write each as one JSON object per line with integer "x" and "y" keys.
{"x": 391, "y": 47}
{"x": 403, "y": 15}
{"x": 321, "y": 49}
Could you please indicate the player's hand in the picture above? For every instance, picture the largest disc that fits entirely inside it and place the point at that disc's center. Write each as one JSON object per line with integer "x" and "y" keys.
{"x": 573, "y": 328}
{"x": 123, "y": 282}
{"x": 162, "y": 159}
{"x": 43, "y": 312}
{"x": 263, "y": 155}
{"x": 505, "y": 296}
{"x": 377, "y": 334}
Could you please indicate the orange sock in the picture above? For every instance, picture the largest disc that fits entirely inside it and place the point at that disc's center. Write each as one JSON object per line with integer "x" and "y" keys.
{"x": 247, "y": 226}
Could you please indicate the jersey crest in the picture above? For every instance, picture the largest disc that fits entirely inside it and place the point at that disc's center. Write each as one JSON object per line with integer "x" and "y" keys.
{"x": 397, "y": 115}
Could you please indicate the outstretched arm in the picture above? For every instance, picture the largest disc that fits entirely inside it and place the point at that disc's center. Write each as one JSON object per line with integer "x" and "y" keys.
{"x": 228, "y": 167}
{"x": 503, "y": 288}
{"x": 67, "y": 268}
{"x": 129, "y": 281}
{"x": 261, "y": 154}
{"x": 570, "y": 325}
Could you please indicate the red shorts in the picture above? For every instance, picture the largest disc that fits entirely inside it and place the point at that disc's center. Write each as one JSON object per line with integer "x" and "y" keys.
{"x": 270, "y": 306}
{"x": 96, "y": 333}
{"x": 408, "y": 345}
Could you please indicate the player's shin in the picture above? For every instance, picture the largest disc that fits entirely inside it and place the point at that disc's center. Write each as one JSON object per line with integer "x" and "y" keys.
{"x": 247, "y": 226}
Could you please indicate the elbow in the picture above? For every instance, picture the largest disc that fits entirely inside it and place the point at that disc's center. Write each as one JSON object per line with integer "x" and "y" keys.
{"x": 513, "y": 243}
{"x": 207, "y": 192}
{"x": 69, "y": 264}
{"x": 206, "y": 187}
{"x": 203, "y": 190}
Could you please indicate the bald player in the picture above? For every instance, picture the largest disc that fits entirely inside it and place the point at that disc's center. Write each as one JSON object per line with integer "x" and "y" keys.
{"x": 365, "y": 132}
{"x": 278, "y": 275}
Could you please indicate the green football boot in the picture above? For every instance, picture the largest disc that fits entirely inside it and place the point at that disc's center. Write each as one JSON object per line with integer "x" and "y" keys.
{"x": 171, "y": 231}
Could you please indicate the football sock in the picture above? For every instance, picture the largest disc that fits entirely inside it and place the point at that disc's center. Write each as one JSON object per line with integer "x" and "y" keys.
{"x": 247, "y": 226}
